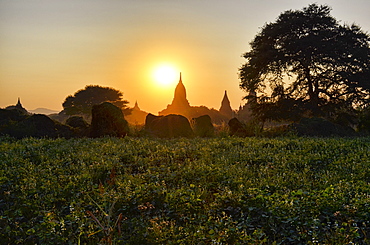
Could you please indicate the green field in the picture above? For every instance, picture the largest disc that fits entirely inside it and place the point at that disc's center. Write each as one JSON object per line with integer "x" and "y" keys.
{"x": 185, "y": 191}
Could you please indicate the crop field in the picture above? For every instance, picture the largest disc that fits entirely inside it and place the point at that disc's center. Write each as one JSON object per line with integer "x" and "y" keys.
{"x": 185, "y": 191}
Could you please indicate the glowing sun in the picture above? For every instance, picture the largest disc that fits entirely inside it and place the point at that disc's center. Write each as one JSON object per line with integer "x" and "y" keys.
{"x": 165, "y": 75}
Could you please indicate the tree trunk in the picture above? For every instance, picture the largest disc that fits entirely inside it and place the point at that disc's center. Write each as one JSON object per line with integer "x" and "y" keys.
{"x": 312, "y": 93}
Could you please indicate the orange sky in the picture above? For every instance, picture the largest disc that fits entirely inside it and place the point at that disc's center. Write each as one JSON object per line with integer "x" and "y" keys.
{"x": 50, "y": 49}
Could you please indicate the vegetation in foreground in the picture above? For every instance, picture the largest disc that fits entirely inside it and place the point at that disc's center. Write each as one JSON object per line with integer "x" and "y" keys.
{"x": 185, "y": 191}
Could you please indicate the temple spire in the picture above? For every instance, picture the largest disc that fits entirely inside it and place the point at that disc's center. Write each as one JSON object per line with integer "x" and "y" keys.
{"x": 179, "y": 102}
{"x": 19, "y": 102}
{"x": 136, "y": 106}
{"x": 180, "y": 93}
{"x": 225, "y": 100}
{"x": 225, "y": 108}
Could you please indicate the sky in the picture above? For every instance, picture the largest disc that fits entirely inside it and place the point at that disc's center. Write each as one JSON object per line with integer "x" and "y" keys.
{"x": 50, "y": 49}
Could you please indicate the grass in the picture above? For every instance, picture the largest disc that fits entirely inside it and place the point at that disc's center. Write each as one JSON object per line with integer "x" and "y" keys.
{"x": 185, "y": 191}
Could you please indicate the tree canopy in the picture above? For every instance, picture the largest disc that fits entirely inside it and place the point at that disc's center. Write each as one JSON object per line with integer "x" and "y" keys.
{"x": 306, "y": 61}
{"x": 83, "y": 100}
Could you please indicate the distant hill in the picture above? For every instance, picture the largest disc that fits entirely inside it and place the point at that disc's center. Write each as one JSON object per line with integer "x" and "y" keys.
{"x": 44, "y": 111}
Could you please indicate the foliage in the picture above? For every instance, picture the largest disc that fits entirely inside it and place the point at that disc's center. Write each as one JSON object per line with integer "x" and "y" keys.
{"x": 320, "y": 127}
{"x": 108, "y": 120}
{"x": 310, "y": 63}
{"x": 83, "y": 100}
{"x": 364, "y": 125}
{"x": 222, "y": 130}
{"x": 77, "y": 122}
{"x": 79, "y": 126}
{"x": 245, "y": 129}
{"x": 202, "y": 126}
{"x": 36, "y": 125}
{"x": 185, "y": 191}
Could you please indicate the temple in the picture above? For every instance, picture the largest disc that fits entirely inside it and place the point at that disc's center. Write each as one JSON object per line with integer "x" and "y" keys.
{"x": 136, "y": 116}
{"x": 136, "y": 107}
{"x": 179, "y": 105}
{"x": 179, "y": 101}
{"x": 225, "y": 108}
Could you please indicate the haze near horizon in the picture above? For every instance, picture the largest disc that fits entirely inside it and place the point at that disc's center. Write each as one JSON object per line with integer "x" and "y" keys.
{"x": 51, "y": 49}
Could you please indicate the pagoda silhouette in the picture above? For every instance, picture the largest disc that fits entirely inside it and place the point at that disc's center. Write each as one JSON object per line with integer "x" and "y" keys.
{"x": 225, "y": 108}
{"x": 18, "y": 107}
{"x": 181, "y": 106}
{"x": 136, "y": 115}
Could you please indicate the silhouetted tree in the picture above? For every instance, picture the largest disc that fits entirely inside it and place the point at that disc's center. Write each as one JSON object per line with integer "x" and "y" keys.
{"x": 310, "y": 63}
{"x": 83, "y": 100}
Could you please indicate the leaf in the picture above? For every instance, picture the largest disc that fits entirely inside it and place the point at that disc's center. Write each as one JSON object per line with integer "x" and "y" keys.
{"x": 93, "y": 233}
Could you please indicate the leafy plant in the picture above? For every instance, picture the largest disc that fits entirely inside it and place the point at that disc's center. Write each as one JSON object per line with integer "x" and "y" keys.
{"x": 222, "y": 190}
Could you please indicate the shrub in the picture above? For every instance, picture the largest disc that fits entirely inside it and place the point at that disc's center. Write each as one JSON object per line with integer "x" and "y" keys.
{"x": 320, "y": 127}
{"x": 108, "y": 120}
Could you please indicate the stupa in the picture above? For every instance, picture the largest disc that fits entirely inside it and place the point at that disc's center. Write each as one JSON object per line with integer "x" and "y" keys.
{"x": 18, "y": 107}
{"x": 179, "y": 105}
{"x": 137, "y": 116}
{"x": 245, "y": 112}
{"x": 225, "y": 108}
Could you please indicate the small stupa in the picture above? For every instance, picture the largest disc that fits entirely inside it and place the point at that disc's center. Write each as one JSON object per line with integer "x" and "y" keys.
{"x": 136, "y": 116}
{"x": 18, "y": 107}
{"x": 245, "y": 111}
{"x": 136, "y": 107}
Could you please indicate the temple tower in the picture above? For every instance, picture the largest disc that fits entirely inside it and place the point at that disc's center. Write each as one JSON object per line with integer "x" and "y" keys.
{"x": 136, "y": 107}
{"x": 180, "y": 105}
{"x": 19, "y": 104}
{"x": 225, "y": 108}
{"x": 179, "y": 99}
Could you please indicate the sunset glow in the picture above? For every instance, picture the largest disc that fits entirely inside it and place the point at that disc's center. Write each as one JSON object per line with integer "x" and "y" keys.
{"x": 165, "y": 75}
{"x": 50, "y": 49}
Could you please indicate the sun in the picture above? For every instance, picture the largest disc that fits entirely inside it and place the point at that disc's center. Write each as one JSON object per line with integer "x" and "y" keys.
{"x": 165, "y": 75}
